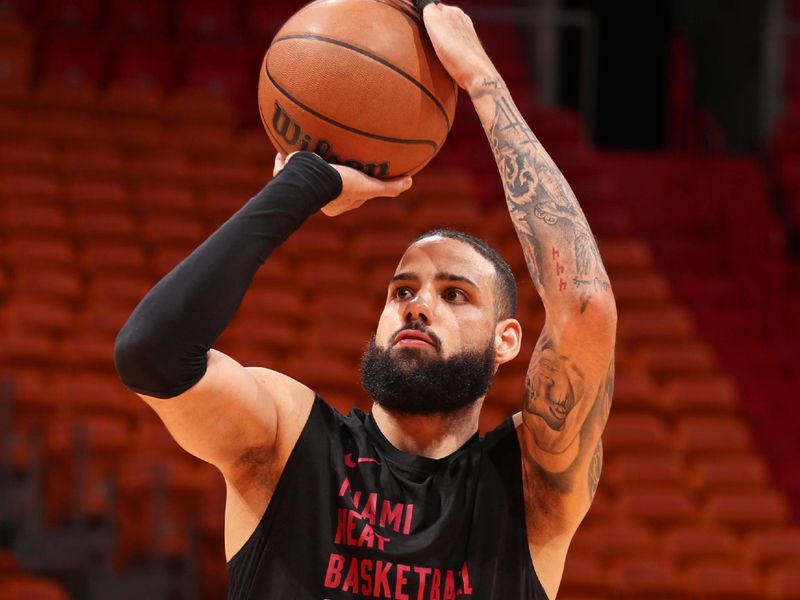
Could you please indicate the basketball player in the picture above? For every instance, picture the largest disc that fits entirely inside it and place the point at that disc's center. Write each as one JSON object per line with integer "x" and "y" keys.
{"x": 405, "y": 502}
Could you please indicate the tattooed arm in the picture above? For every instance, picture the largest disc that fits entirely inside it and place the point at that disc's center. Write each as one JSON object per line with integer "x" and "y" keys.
{"x": 570, "y": 379}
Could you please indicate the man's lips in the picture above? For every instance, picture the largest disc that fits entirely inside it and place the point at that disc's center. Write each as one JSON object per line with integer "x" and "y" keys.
{"x": 410, "y": 337}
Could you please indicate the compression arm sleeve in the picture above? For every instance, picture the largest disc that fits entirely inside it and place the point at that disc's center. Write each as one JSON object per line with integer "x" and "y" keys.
{"x": 162, "y": 350}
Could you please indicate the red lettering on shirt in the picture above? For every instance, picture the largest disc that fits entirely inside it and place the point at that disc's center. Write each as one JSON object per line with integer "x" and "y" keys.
{"x": 334, "y": 574}
{"x": 382, "y": 579}
{"x": 401, "y": 582}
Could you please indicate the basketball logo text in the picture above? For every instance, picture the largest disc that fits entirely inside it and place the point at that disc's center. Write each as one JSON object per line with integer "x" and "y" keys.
{"x": 290, "y": 132}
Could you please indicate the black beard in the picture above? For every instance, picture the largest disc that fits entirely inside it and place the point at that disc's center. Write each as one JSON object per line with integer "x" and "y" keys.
{"x": 409, "y": 382}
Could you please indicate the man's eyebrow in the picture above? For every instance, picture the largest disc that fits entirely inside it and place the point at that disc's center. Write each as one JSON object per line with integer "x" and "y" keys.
{"x": 407, "y": 276}
{"x": 404, "y": 277}
{"x": 454, "y": 277}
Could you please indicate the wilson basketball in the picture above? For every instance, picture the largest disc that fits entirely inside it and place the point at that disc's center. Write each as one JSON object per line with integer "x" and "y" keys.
{"x": 359, "y": 83}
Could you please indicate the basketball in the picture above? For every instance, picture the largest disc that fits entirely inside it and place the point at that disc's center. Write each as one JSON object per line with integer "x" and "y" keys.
{"x": 359, "y": 83}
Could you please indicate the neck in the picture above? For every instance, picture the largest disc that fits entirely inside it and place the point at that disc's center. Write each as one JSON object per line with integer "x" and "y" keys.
{"x": 433, "y": 436}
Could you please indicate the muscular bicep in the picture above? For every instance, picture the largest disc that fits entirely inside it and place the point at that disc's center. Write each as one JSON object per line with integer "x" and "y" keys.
{"x": 232, "y": 413}
{"x": 569, "y": 385}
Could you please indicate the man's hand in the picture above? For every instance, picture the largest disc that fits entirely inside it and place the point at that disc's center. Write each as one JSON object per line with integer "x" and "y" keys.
{"x": 457, "y": 45}
{"x": 357, "y": 187}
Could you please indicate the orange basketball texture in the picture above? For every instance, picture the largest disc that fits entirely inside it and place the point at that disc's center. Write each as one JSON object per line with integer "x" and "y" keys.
{"x": 358, "y": 82}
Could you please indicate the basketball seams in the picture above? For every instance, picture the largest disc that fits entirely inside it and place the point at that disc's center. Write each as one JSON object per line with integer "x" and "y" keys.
{"x": 336, "y": 123}
{"x": 376, "y": 58}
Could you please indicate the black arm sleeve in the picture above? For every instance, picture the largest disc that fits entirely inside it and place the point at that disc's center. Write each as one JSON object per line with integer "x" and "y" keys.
{"x": 162, "y": 350}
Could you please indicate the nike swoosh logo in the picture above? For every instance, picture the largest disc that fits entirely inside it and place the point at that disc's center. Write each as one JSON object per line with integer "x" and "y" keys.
{"x": 352, "y": 464}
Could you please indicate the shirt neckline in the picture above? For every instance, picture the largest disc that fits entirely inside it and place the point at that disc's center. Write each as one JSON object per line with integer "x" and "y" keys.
{"x": 409, "y": 461}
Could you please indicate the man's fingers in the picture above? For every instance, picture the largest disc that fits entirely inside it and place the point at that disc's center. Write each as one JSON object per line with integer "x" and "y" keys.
{"x": 280, "y": 162}
{"x": 393, "y": 187}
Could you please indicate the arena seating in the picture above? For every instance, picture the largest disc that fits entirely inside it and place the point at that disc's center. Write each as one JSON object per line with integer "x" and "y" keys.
{"x": 115, "y": 164}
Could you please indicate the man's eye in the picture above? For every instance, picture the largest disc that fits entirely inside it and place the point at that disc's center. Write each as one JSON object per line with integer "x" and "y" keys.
{"x": 403, "y": 293}
{"x": 455, "y": 295}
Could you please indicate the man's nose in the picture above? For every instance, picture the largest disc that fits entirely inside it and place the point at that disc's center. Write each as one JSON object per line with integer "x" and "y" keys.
{"x": 418, "y": 309}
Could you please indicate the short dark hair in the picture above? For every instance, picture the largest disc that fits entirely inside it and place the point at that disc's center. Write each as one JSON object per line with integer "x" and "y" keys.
{"x": 505, "y": 289}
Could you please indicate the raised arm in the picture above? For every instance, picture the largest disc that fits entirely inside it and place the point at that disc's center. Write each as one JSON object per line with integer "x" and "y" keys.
{"x": 215, "y": 408}
{"x": 571, "y": 374}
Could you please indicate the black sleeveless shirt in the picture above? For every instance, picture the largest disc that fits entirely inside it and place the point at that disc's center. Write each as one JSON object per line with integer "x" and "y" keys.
{"x": 352, "y": 517}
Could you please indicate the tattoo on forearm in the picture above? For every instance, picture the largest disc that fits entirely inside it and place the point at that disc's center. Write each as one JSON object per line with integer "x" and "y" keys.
{"x": 563, "y": 413}
{"x": 595, "y": 468}
{"x": 543, "y": 208}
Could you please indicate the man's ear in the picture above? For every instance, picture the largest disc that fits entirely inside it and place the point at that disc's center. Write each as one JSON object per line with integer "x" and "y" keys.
{"x": 507, "y": 340}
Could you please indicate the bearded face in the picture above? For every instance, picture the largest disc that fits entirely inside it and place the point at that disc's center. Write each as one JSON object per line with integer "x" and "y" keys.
{"x": 420, "y": 382}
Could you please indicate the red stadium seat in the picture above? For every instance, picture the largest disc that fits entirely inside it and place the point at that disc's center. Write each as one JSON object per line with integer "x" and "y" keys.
{"x": 756, "y": 508}
{"x": 207, "y": 147}
{"x": 93, "y": 223}
{"x": 220, "y": 68}
{"x": 32, "y": 313}
{"x": 620, "y": 537}
{"x": 696, "y": 435}
{"x": 688, "y": 543}
{"x": 325, "y": 274}
{"x": 79, "y": 15}
{"x": 636, "y": 391}
{"x": 25, "y": 216}
{"x": 641, "y": 289}
{"x": 167, "y": 230}
{"x": 718, "y": 580}
{"x": 671, "y": 358}
{"x": 711, "y": 393}
{"x": 91, "y": 194}
{"x": 118, "y": 289}
{"x": 89, "y": 350}
{"x": 28, "y": 156}
{"x": 105, "y": 320}
{"x": 31, "y": 250}
{"x": 171, "y": 168}
{"x": 584, "y": 577}
{"x": 108, "y": 256}
{"x": 16, "y": 9}
{"x": 164, "y": 198}
{"x": 26, "y": 587}
{"x": 772, "y": 548}
{"x": 31, "y": 187}
{"x": 634, "y": 471}
{"x": 198, "y": 105}
{"x": 385, "y": 247}
{"x": 93, "y": 163}
{"x": 380, "y": 214}
{"x": 624, "y": 254}
{"x": 323, "y": 372}
{"x": 147, "y": 62}
{"x": 277, "y": 303}
{"x": 742, "y": 472}
{"x": 349, "y": 307}
{"x": 645, "y": 577}
{"x": 316, "y": 243}
{"x": 56, "y": 99}
{"x": 783, "y": 583}
{"x": 344, "y": 339}
{"x": 23, "y": 347}
{"x": 72, "y": 59}
{"x": 656, "y": 323}
{"x": 657, "y": 506}
{"x": 49, "y": 283}
{"x": 140, "y": 137}
{"x": 91, "y": 393}
{"x": 207, "y": 19}
{"x": 635, "y": 433}
{"x": 138, "y": 17}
